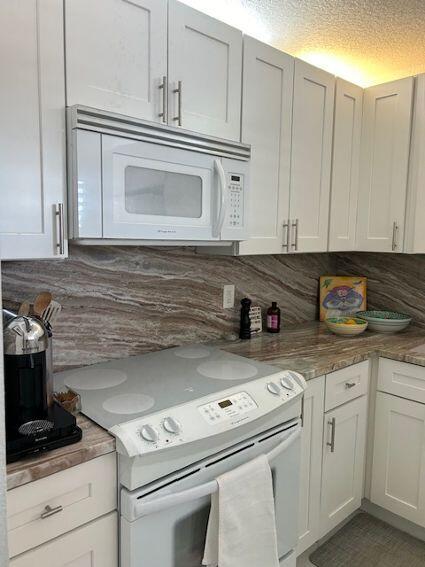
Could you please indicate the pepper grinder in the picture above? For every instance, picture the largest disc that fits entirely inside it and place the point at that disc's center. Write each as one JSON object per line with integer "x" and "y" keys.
{"x": 245, "y": 325}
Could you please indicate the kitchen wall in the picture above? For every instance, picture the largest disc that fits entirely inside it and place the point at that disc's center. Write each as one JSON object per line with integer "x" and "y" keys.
{"x": 395, "y": 281}
{"x": 120, "y": 301}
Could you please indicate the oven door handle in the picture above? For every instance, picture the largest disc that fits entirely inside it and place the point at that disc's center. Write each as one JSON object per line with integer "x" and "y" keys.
{"x": 165, "y": 502}
{"x": 221, "y": 213}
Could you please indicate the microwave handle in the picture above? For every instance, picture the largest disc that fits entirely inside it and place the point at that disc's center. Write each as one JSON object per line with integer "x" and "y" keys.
{"x": 206, "y": 489}
{"x": 221, "y": 213}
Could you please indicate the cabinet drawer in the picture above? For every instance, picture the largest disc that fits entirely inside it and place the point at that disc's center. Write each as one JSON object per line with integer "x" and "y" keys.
{"x": 93, "y": 545}
{"x": 52, "y": 506}
{"x": 346, "y": 384}
{"x": 402, "y": 379}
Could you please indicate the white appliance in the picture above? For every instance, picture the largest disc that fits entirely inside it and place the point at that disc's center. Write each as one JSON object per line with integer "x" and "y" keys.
{"x": 181, "y": 417}
{"x": 136, "y": 182}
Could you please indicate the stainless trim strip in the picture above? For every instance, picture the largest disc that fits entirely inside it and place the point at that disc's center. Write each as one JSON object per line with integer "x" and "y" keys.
{"x": 85, "y": 118}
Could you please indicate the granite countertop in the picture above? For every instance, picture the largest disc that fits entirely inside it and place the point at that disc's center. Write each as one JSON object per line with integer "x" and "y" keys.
{"x": 308, "y": 348}
{"x": 313, "y": 350}
{"x": 95, "y": 442}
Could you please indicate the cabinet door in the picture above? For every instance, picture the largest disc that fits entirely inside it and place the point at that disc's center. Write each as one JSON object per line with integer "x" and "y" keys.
{"x": 311, "y": 157}
{"x": 344, "y": 445}
{"x": 311, "y": 465}
{"x": 345, "y": 166}
{"x": 415, "y": 218}
{"x": 384, "y": 166}
{"x": 93, "y": 545}
{"x": 116, "y": 55}
{"x": 266, "y": 125}
{"x": 32, "y": 133}
{"x": 398, "y": 472}
{"x": 206, "y": 56}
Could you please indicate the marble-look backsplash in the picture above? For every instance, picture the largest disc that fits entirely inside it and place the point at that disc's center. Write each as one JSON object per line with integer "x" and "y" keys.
{"x": 121, "y": 301}
{"x": 395, "y": 281}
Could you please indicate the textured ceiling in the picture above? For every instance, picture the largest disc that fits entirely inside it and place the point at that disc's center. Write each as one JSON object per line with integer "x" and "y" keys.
{"x": 365, "y": 41}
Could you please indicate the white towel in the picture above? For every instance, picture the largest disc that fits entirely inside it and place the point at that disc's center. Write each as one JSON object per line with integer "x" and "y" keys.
{"x": 242, "y": 525}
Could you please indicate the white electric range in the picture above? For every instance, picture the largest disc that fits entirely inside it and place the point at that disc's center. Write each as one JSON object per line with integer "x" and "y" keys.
{"x": 181, "y": 417}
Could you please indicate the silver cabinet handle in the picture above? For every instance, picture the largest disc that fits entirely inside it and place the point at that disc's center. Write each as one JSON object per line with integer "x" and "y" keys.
{"x": 285, "y": 239}
{"x": 395, "y": 233}
{"x": 178, "y": 91}
{"x": 60, "y": 244}
{"x": 294, "y": 243}
{"x": 350, "y": 385}
{"x": 163, "y": 87}
{"x": 332, "y": 423}
{"x": 49, "y": 511}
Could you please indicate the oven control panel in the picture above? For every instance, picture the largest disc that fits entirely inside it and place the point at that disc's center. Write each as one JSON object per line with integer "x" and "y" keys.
{"x": 211, "y": 415}
{"x": 228, "y": 408}
{"x": 236, "y": 200}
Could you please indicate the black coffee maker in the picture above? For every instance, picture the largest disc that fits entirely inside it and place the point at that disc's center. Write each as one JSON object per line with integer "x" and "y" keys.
{"x": 34, "y": 422}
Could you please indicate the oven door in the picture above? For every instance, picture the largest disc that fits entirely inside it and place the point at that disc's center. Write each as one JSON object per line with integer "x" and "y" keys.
{"x": 158, "y": 192}
{"x": 164, "y": 524}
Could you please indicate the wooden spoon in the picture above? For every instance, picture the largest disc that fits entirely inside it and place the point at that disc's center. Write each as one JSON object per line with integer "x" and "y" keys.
{"x": 42, "y": 301}
{"x": 24, "y": 309}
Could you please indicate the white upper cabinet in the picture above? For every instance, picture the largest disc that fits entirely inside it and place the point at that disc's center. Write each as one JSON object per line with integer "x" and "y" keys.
{"x": 384, "y": 166}
{"x": 32, "y": 132}
{"x": 205, "y": 73}
{"x": 415, "y": 215}
{"x": 116, "y": 55}
{"x": 266, "y": 125}
{"x": 311, "y": 157}
{"x": 345, "y": 166}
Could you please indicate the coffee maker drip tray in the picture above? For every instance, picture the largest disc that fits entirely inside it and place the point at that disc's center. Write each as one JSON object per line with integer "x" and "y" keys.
{"x": 57, "y": 429}
{"x": 36, "y": 427}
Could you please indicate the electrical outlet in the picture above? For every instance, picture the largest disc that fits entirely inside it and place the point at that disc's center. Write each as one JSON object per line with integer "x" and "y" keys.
{"x": 228, "y": 296}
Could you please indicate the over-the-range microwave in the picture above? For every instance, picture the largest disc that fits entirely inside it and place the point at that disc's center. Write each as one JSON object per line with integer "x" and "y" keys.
{"x": 137, "y": 182}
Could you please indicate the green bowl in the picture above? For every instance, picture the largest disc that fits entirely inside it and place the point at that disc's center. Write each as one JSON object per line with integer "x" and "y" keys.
{"x": 385, "y": 321}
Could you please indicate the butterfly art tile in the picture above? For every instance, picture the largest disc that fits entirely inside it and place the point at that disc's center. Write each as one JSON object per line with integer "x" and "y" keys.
{"x": 341, "y": 296}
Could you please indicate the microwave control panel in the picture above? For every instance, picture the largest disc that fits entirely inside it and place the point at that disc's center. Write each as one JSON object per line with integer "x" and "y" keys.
{"x": 236, "y": 198}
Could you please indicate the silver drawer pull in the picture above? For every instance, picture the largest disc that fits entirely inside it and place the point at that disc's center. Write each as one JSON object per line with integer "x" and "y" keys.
{"x": 163, "y": 87}
{"x": 332, "y": 423}
{"x": 349, "y": 385}
{"x": 60, "y": 245}
{"x": 178, "y": 92}
{"x": 49, "y": 511}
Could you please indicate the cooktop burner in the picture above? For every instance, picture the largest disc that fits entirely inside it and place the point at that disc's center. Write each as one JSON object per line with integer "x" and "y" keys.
{"x": 192, "y": 352}
{"x": 126, "y": 404}
{"x": 95, "y": 379}
{"x": 227, "y": 370}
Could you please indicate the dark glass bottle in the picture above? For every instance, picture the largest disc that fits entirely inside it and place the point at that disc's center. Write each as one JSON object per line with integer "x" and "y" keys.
{"x": 273, "y": 318}
{"x": 245, "y": 325}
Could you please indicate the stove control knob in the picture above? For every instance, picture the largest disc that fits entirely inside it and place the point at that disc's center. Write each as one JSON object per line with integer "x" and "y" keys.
{"x": 149, "y": 433}
{"x": 273, "y": 388}
{"x": 171, "y": 425}
{"x": 286, "y": 383}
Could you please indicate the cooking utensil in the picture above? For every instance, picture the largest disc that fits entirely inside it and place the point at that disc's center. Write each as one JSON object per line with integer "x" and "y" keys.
{"x": 51, "y": 313}
{"x": 42, "y": 302}
{"x": 24, "y": 309}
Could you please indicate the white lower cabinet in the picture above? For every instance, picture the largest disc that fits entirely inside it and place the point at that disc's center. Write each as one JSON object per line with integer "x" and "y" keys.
{"x": 398, "y": 472}
{"x": 311, "y": 465}
{"x": 93, "y": 545}
{"x": 344, "y": 447}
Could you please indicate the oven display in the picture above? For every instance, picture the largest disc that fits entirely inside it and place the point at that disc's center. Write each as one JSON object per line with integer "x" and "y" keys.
{"x": 235, "y": 178}
{"x": 225, "y": 404}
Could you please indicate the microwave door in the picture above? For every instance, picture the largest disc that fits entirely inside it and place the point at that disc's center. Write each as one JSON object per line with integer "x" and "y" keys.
{"x": 156, "y": 192}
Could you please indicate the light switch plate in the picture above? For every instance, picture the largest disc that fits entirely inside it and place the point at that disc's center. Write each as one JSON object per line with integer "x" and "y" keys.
{"x": 228, "y": 296}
